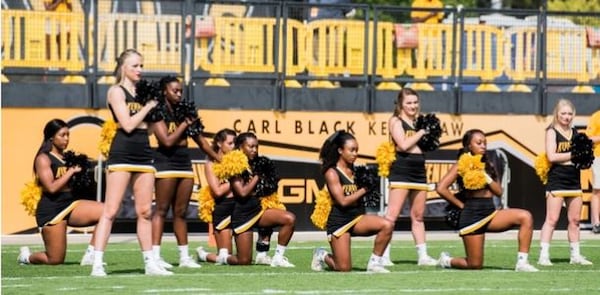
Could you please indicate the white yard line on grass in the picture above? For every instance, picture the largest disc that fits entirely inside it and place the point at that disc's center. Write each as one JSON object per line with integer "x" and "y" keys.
{"x": 286, "y": 274}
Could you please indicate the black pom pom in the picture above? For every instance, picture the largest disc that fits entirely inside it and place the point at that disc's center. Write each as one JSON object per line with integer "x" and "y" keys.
{"x": 146, "y": 91}
{"x": 158, "y": 113}
{"x": 582, "y": 154}
{"x": 268, "y": 178}
{"x": 80, "y": 181}
{"x": 452, "y": 216}
{"x": 185, "y": 109}
{"x": 367, "y": 178}
{"x": 195, "y": 129}
{"x": 430, "y": 141}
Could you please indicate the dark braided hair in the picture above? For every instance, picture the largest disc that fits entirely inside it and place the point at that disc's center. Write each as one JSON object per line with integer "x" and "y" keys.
{"x": 51, "y": 128}
{"x": 241, "y": 138}
{"x": 329, "y": 154}
{"x": 220, "y": 138}
{"x": 490, "y": 168}
{"x": 163, "y": 82}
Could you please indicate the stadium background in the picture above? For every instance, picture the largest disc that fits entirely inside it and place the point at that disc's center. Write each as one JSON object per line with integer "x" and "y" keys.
{"x": 264, "y": 66}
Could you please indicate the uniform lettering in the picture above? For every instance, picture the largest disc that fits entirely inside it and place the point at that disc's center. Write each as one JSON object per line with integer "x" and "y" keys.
{"x": 563, "y": 147}
{"x": 60, "y": 172}
{"x": 172, "y": 127}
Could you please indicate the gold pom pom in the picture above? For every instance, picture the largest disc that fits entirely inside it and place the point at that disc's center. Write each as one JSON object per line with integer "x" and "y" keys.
{"x": 232, "y": 164}
{"x": 542, "y": 166}
{"x": 109, "y": 130}
{"x": 206, "y": 204}
{"x": 30, "y": 196}
{"x": 323, "y": 205}
{"x": 472, "y": 171}
{"x": 385, "y": 156}
{"x": 272, "y": 202}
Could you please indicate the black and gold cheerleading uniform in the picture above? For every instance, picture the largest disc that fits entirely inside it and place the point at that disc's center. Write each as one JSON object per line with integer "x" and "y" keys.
{"x": 246, "y": 213}
{"x": 564, "y": 179}
{"x": 175, "y": 161}
{"x": 130, "y": 151}
{"x": 54, "y": 208}
{"x": 222, "y": 212}
{"x": 408, "y": 170}
{"x": 343, "y": 219}
{"x": 476, "y": 216}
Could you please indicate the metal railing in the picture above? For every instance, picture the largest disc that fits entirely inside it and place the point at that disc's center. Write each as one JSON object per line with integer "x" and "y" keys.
{"x": 381, "y": 49}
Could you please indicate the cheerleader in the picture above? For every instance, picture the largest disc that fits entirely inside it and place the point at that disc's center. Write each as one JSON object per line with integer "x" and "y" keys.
{"x": 58, "y": 206}
{"x": 593, "y": 131}
{"x": 407, "y": 173}
{"x": 564, "y": 184}
{"x": 221, "y": 200}
{"x": 130, "y": 161}
{"x": 479, "y": 215}
{"x": 248, "y": 212}
{"x": 347, "y": 216}
{"x": 174, "y": 176}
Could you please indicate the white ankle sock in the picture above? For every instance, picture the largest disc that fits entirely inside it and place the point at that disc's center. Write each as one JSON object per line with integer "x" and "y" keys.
{"x": 544, "y": 249}
{"x": 574, "y": 247}
{"x": 183, "y": 251}
{"x": 156, "y": 250}
{"x": 148, "y": 255}
{"x": 422, "y": 250}
{"x": 280, "y": 250}
{"x": 98, "y": 257}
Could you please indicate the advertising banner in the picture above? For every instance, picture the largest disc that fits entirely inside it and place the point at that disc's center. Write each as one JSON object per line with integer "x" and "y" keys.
{"x": 293, "y": 140}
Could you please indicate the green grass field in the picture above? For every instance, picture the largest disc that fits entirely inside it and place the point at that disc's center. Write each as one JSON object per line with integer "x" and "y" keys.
{"x": 125, "y": 273}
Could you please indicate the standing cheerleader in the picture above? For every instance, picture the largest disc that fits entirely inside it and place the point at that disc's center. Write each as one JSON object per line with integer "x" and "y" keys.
{"x": 564, "y": 184}
{"x": 477, "y": 179}
{"x": 219, "y": 201}
{"x": 129, "y": 161}
{"x": 59, "y": 206}
{"x": 407, "y": 173}
{"x": 249, "y": 213}
{"x": 174, "y": 176}
{"x": 347, "y": 217}
{"x": 593, "y": 131}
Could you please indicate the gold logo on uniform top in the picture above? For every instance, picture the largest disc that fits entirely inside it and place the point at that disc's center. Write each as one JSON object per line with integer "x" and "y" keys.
{"x": 134, "y": 106}
{"x": 349, "y": 189}
{"x": 60, "y": 172}
{"x": 172, "y": 127}
{"x": 409, "y": 133}
{"x": 564, "y": 146}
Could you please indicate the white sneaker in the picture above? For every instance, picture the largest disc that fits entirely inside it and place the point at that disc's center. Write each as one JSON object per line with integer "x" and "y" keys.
{"x": 386, "y": 261}
{"x": 280, "y": 261}
{"x": 98, "y": 271}
{"x": 544, "y": 261}
{"x": 376, "y": 267}
{"x": 263, "y": 260}
{"x": 445, "y": 261}
{"x": 24, "y": 254}
{"x": 317, "y": 263}
{"x": 88, "y": 258}
{"x": 221, "y": 260}
{"x": 201, "y": 253}
{"x": 580, "y": 260}
{"x": 188, "y": 262}
{"x": 152, "y": 268}
{"x": 162, "y": 263}
{"x": 427, "y": 261}
{"x": 525, "y": 267}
